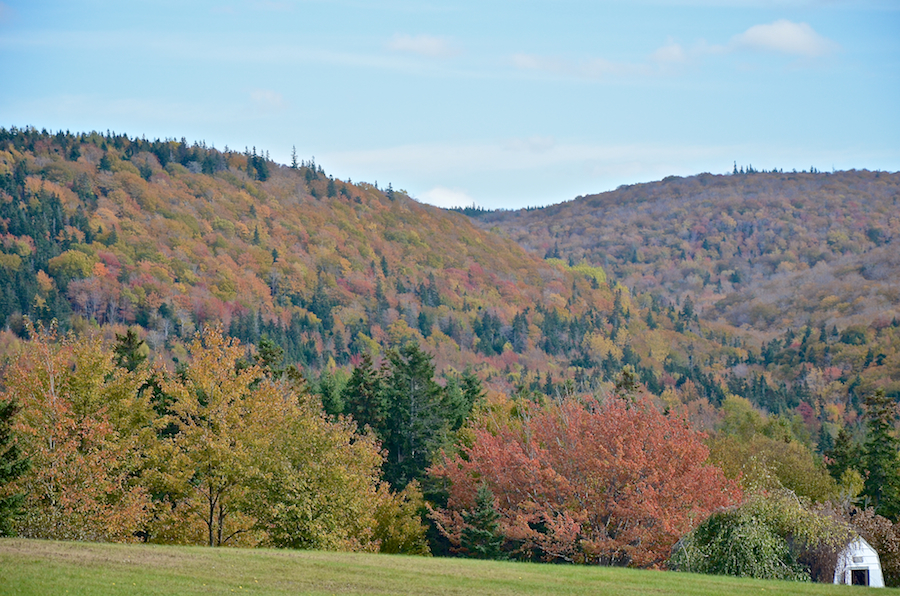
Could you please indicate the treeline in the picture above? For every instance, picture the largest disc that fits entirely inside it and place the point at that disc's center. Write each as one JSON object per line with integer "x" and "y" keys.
{"x": 232, "y": 449}
{"x": 224, "y": 451}
{"x": 236, "y": 448}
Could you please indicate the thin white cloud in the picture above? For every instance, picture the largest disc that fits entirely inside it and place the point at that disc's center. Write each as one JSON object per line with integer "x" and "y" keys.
{"x": 594, "y": 68}
{"x": 782, "y": 36}
{"x": 268, "y": 100}
{"x": 446, "y": 198}
{"x": 785, "y": 37}
{"x": 424, "y": 45}
{"x": 671, "y": 53}
{"x": 534, "y": 144}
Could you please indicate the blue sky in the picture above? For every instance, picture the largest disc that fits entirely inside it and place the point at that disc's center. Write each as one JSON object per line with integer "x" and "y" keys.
{"x": 501, "y": 103}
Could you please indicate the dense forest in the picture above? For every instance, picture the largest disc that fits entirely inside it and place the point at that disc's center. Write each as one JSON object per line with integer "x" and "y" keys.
{"x": 758, "y": 309}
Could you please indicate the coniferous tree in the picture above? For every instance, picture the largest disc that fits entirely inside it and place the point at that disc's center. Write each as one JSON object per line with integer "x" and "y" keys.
{"x": 843, "y": 456}
{"x": 270, "y": 356}
{"x": 415, "y": 420}
{"x": 880, "y": 455}
{"x": 481, "y": 538}
{"x": 130, "y": 351}
{"x": 363, "y": 396}
{"x": 12, "y": 465}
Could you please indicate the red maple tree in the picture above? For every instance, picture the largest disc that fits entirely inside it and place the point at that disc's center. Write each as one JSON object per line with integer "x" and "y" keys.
{"x": 613, "y": 482}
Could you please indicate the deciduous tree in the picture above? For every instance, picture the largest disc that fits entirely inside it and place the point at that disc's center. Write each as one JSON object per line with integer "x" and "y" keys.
{"x": 614, "y": 482}
{"x": 85, "y": 427}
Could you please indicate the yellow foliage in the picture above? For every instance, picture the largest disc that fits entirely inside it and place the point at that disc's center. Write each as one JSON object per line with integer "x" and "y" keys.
{"x": 10, "y": 263}
{"x": 598, "y": 346}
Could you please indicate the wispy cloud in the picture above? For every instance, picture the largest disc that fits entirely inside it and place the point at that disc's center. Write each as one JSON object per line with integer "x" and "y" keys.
{"x": 591, "y": 68}
{"x": 785, "y": 37}
{"x": 267, "y": 100}
{"x": 446, "y": 197}
{"x": 671, "y": 53}
{"x": 424, "y": 45}
{"x": 782, "y": 36}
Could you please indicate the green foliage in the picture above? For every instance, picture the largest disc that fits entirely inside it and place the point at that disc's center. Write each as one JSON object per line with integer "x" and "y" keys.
{"x": 481, "y": 537}
{"x": 130, "y": 350}
{"x": 764, "y": 538}
{"x": 398, "y": 515}
{"x": 12, "y": 465}
{"x": 881, "y": 455}
{"x": 766, "y": 454}
{"x": 415, "y": 421}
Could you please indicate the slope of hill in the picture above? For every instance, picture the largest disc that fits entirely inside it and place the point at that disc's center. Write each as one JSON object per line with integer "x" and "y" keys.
{"x": 109, "y": 231}
{"x": 786, "y": 286}
{"x": 769, "y": 251}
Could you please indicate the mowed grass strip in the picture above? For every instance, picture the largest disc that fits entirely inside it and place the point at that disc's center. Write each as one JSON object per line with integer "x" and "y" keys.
{"x": 39, "y": 568}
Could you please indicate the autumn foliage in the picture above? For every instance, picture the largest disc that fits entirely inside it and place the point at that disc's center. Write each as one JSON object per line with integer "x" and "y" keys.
{"x": 217, "y": 453}
{"x": 81, "y": 425}
{"x": 611, "y": 481}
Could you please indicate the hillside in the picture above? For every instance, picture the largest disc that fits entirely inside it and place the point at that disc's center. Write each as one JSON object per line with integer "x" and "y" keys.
{"x": 767, "y": 251}
{"x": 777, "y": 287}
{"x": 753, "y": 317}
{"x": 107, "y": 231}
{"x": 800, "y": 269}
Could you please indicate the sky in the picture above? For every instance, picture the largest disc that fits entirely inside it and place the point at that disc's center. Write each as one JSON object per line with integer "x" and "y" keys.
{"x": 501, "y": 104}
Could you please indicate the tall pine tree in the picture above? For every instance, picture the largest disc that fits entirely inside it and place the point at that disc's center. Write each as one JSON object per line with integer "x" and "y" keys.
{"x": 12, "y": 465}
{"x": 881, "y": 455}
{"x": 415, "y": 419}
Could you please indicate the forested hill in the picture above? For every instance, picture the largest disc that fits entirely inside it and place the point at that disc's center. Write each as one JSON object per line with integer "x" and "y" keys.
{"x": 107, "y": 231}
{"x": 780, "y": 288}
{"x": 764, "y": 251}
{"x": 762, "y": 307}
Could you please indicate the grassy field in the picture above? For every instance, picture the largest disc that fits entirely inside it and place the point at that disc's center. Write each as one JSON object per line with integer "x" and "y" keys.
{"x": 40, "y": 568}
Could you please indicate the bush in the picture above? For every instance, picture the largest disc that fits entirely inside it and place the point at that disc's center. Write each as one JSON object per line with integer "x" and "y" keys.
{"x": 767, "y": 537}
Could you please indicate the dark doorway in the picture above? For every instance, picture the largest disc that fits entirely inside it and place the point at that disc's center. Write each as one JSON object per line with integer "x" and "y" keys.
{"x": 859, "y": 577}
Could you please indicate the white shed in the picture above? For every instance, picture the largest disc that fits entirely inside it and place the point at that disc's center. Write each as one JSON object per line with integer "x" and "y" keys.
{"x": 858, "y": 565}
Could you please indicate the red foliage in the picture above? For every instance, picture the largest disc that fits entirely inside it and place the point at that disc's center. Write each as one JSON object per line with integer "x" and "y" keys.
{"x": 615, "y": 483}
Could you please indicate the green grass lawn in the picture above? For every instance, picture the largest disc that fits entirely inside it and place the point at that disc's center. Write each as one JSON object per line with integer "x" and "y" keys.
{"x": 48, "y": 568}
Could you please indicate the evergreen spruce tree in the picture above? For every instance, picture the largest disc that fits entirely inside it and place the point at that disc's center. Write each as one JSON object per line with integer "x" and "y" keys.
{"x": 130, "y": 350}
{"x": 843, "y": 455}
{"x": 364, "y": 397}
{"x": 881, "y": 455}
{"x": 270, "y": 356}
{"x": 481, "y": 538}
{"x": 415, "y": 420}
{"x": 12, "y": 465}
